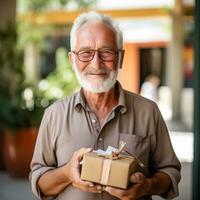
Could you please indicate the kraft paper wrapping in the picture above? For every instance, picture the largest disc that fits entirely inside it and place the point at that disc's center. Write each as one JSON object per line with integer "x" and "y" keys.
{"x": 106, "y": 171}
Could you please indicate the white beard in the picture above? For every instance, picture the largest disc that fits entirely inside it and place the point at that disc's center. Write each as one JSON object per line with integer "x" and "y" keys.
{"x": 98, "y": 85}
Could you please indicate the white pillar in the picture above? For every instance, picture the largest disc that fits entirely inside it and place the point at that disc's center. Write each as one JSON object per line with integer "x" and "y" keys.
{"x": 31, "y": 59}
{"x": 175, "y": 60}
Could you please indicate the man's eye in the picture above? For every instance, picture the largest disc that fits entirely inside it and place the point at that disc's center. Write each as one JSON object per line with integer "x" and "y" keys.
{"x": 107, "y": 53}
{"x": 85, "y": 53}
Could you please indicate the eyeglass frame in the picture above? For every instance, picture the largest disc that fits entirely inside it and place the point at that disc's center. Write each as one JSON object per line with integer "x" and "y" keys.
{"x": 99, "y": 54}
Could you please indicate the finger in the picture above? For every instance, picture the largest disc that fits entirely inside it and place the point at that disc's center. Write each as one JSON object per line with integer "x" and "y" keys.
{"x": 78, "y": 155}
{"x": 96, "y": 188}
{"x": 88, "y": 189}
{"x": 137, "y": 177}
{"x": 99, "y": 187}
{"x": 81, "y": 152}
{"x": 85, "y": 183}
{"x": 115, "y": 191}
{"x": 89, "y": 186}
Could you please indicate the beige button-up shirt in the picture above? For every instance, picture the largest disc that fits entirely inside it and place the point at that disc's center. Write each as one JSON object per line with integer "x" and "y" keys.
{"x": 69, "y": 124}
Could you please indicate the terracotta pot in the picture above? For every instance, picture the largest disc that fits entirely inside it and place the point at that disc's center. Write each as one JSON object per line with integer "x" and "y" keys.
{"x": 18, "y": 151}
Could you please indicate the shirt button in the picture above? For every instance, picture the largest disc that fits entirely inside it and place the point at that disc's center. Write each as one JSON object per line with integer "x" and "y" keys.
{"x": 100, "y": 139}
{"x": 93, "y": 121}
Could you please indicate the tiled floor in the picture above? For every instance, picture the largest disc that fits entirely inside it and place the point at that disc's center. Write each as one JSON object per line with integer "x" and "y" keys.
{"x": 14, "y": 189}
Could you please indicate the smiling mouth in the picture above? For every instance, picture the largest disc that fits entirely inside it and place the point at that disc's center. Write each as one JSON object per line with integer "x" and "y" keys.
{"x": 94, "y": 74}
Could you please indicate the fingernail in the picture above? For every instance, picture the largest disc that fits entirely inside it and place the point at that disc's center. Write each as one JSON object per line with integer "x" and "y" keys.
{"x": 91, "y": 185}
{"x": 98, "y": 187}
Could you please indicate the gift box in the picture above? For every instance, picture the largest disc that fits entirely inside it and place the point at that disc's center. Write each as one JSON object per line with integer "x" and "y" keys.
{"x": 107, "y": 171}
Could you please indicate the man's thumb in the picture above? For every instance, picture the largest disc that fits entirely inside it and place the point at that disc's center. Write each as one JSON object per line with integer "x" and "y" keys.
{"x": 137, "y": 177}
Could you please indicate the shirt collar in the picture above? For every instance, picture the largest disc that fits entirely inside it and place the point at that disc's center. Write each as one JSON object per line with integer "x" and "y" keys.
{"x": 121, "y": 102}
{"x": 80, "y": 100}
{"x": 81, "y": 103}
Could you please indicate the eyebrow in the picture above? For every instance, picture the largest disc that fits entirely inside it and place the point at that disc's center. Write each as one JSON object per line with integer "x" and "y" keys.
{"x": 89, "y": 48}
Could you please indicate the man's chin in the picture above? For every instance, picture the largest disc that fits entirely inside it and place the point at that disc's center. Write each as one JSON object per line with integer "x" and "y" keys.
{"x": 97, "y": 87}
{"x": 96, "y": 79}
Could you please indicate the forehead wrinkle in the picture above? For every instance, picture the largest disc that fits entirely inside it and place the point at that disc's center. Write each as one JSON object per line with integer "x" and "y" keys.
{"x": 88, "y": 31}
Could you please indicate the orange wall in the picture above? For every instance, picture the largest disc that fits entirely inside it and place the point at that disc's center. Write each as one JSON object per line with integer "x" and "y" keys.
{"x": 129, "y": 75}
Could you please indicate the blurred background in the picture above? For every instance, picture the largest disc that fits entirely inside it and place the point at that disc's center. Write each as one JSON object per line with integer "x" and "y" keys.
{"x": 35, "y": 72}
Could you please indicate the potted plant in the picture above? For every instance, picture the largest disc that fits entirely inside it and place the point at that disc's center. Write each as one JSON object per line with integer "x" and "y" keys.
{"x": 20, "y": 110}
{"x": 20, "y": 131}
{"x": 22, "y": 104}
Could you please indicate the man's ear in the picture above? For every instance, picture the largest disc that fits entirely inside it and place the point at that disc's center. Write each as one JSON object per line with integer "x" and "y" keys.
{"x": 70, "y": 56}
{"x": 121, "y": 58}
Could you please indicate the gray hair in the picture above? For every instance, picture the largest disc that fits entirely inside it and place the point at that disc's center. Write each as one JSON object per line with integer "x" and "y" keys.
{"x": 94, "y": 16}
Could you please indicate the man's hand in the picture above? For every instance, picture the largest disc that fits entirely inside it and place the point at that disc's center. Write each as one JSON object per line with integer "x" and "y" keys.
{"x": 72, "y": 171}
{"x": 140, "y": 187}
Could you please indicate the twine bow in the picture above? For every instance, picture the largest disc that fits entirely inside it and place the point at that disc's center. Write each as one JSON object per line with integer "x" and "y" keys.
{"x": 115, "y": 154}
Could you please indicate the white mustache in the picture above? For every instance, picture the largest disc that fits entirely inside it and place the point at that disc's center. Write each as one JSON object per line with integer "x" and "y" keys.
{"x": 102, "y": 70}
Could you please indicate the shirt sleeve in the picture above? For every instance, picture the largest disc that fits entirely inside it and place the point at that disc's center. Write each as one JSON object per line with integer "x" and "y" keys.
{"x": 163, "y": 157}
{"x": 44, "y": 157}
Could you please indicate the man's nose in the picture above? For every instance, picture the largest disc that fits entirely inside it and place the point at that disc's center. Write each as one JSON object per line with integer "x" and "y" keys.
{"x": 96, "y": 61}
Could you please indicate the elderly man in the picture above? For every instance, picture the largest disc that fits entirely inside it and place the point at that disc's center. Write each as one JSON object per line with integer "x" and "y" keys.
{"x": 99, "y": 115}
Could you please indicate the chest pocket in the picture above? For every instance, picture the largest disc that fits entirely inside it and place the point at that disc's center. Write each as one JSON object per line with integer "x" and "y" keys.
{"x": 137, "y": 146}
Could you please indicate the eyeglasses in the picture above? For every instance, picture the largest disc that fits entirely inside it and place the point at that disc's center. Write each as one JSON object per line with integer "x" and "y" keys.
{"x": 107, "y": 55}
